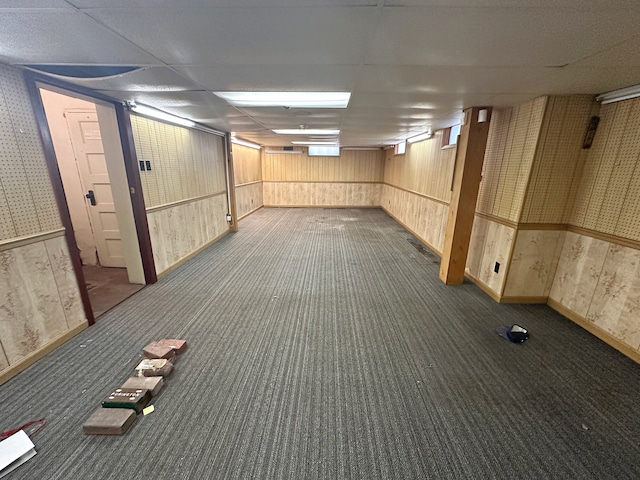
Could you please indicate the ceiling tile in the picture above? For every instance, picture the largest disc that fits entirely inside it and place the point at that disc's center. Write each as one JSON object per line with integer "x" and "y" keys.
{"x": 587, "y": 80}
{"x": 623, "y": 55}
{"x": 246, "y": 36}
{"x": 150, "y": 79}
{"x": 63, "y": 36}
{"x": 33, "y": 4}
{"x": 321, "y": 78}
{"x": 446, "y": 79}
{"x": 220, "y": 3}
{"x": 495, "y": 36}
{"x": 580, "y": 5}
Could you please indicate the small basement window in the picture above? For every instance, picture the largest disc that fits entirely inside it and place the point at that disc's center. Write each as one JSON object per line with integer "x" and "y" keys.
{"x": 450, "y": 136}
{"x": 324, "y": 151}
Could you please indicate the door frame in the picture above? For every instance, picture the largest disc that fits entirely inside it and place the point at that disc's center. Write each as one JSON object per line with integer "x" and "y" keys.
{"x": 33, "y": 82}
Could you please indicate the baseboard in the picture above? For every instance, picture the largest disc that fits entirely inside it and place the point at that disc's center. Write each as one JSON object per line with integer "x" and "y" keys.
{"x": 186, "y": 258}
{"x": 30, "y": 359}
{"x": 250, "y": 212}
{"x": 592, "y": 328}
{"x": 523, "y": 299}
{"x": 413, "y": 232}
{"x": 484, "y": 287}
{"x": 321, "y": 206}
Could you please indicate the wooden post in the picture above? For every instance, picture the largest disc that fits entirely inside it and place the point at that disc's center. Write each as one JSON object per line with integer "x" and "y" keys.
{"x": 466, "y": 183}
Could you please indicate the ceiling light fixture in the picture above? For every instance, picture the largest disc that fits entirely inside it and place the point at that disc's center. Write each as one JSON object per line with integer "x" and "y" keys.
{"x": 160, "y": 115}
{"x": 287, "y": 99}
{"x": 315, "y": 143}
{"x": 619, "y": 95}
{"x": 422, "y": 136}
{"x": 306, "y": 131}
{"x": 245, "y": 143}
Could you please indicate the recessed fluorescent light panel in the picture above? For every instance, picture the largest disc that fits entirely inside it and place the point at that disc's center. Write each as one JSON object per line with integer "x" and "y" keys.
{"x": 160, "y": 115}
{"x": 306, "y": 131}
{"x": 314, "y": 143}
{"x": 287, "y": 99}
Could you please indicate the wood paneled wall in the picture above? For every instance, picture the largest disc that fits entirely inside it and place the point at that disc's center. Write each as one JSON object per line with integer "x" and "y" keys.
{"x": 425, "y": 168}
{"x": 247, "y": 164}
{"x": 417, "y": 188}
{"x": 511, "y": 147}
{"x": 185, "y": 163}
{"x": 40, "y": 305}
{"x": 608, "y": 197}
{"x": 247, "y": 167}
{"x": 27, "y": 203}
{"x": 350, "y": 180}
{"x": 558, "y": 162}
{"x": 186, "y": 190}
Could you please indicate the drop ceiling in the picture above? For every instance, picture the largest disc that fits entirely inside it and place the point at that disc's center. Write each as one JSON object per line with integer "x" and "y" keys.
{"x": 410, "y": 65}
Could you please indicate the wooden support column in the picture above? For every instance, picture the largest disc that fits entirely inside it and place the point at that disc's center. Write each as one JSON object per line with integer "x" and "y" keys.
{"x": 466, "y": 183}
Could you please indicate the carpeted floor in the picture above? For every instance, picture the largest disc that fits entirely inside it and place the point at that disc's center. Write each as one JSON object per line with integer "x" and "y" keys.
{"x": 323, "y": 346}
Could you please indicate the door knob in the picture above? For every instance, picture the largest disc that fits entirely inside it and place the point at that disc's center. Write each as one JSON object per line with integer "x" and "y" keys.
{"x": 92, "y": 197}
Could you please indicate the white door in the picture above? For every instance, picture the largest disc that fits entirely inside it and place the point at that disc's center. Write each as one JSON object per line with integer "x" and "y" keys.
{"x": 84, "y": 132}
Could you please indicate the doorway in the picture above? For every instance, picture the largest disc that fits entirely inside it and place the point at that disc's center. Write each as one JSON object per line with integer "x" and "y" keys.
{"x": 87, "y": 148}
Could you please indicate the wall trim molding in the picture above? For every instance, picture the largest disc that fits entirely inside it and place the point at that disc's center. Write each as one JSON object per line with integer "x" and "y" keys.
{"x": 189, "y": 256}
{"x": 29, "y": 239}
{"x": 319, "y": 206}
{"x": 543, "y": 226}
{"x": 523, "y": 299}
{"x": 166, "y": 206}
{"x": 607, "y": 237}
{"x": 501, "y": 221}
{"x": 30, "y": 359}
{"x": 413, "y": 232}
{"x": 625, "y": 242}
{"x": 484, "y": 287}
{"x": 250, "y": 212}
{"x": 595, "y": 330}
{"x": 413, "y": 192}
{"x": 324, "y": 181}
{"x": 248, "y": 183}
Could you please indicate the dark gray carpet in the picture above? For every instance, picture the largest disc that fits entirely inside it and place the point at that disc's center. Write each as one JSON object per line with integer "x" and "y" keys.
{"x": 322, "y": 345}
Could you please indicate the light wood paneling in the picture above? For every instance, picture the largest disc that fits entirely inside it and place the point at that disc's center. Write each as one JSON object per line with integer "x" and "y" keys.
{"x": 351, "y": 166}
{"x": 511, "y": 147}
{"x": 247, "y": 165}
{"x": 425, "y": 217}
{"x": 352, "y": 179}
{"x": 39, "y": 297}
{"x": 248, "y": 198}
{"x": 325, "y": 194}
{"x": 557, "y": 164}
{"x": 179, "y": 231}
{"x": 424, "y": 168}
{"x": 608, "y": 198}
{"x": 490, "y": 242}
{"x": 185, "y": 163}
{"x": 599, "y": 282}
{"x": 27, "y": 204}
